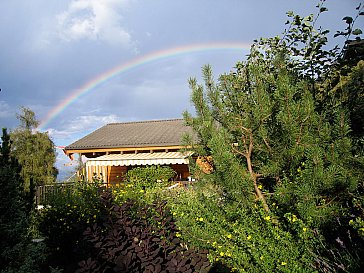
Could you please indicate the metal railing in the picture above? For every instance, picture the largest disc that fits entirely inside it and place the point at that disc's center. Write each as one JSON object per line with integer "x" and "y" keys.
{"x": 43, "y": 193}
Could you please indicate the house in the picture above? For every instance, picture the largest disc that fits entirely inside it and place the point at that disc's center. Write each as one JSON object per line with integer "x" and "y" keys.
{"x": 117, "y": 147}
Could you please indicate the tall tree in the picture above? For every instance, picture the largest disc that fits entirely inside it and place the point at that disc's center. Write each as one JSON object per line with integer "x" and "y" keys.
{"x": 34, "y": 151}
{"x": 12, "y": 216}
{"x": 273, "y": 137}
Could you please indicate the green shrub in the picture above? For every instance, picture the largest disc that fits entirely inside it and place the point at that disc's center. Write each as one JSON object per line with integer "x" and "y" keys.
{"x": 241, "y": 239}
{"x": 150, "y": 176}
{"x": 63, "y": 221}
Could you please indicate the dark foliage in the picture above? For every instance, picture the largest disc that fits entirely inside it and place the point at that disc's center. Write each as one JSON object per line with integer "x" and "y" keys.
{"x": 71, "y": 210}
{"x": 17, "y": 252}
{"x": 11, "y": 214}
{"x": 138, "y": 239}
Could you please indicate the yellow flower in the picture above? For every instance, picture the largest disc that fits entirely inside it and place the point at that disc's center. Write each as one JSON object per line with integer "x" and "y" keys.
{"x": 229, "y": 236}
{"x": 267, "y": 218}
{"x": 178, "y": 234}
{"x": 294, "y": 218}
{"x": 261, "y": 257}
{"x": 222, "y": 254}
{"x": 304, "y": 229}
{"x": 214, "y": 243}
{"x": 260, "y": 187}
{"x": 174, "y": 214}
{"x": 141, "y": 191}
{"x": 248, "y": 237}
{"x": 283, "y": 263}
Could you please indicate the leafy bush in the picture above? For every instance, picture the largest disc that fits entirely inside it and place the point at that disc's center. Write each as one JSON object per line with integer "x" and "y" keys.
{"x": 63, "y": 221}
{"x": 242, "y": 239}
{"x": 150, "y": 176}
{"x": 138, "y": 239}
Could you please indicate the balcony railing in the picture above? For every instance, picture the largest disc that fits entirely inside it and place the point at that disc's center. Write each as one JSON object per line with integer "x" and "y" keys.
{"x": 44, "y": 193}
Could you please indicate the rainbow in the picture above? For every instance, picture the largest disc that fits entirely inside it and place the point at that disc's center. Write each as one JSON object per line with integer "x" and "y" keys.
{"x": 134, "y": 63}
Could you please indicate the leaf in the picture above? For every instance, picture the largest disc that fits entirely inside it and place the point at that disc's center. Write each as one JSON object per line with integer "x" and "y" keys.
{"x": 339, "y": 33}
{"x": 297, "y": 20}
{"x": 348, "y": 19}
{"x": 308, "y": 18}
{"x": 323, "y": 40}
{"x": 290, "y": 13}
{"x": 357, "y": 31}
{"x": 306, "y": 23}
{"x": 361, "y": 13}
{"x": 323, "y": 9}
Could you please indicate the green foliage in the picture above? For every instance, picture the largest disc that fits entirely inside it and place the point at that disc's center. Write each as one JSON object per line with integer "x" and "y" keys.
{"x": 241, "y": 239}
{"x": 11, "y": 213}
{"x": 26, "y": 257}
{"x": 17, "y": 252}
{"x": 150, "y": 176}
{"x": 273, "y": 133}
{"x": 34, "y": 151}
{"x": 346, "y": 89}
{"x": 66, "y": 216}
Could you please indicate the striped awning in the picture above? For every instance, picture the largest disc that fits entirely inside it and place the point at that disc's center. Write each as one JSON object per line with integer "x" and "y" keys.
{"x": 157, "y": 158}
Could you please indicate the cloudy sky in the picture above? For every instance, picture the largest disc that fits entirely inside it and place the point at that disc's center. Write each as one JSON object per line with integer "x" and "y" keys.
{"x": 57, "y": 57}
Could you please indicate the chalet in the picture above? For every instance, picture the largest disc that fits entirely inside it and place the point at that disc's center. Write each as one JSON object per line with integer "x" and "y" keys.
{"x": 117, "y": 147}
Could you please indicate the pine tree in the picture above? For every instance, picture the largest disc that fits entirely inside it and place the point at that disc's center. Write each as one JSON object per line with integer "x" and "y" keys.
{"x": 273, "y": 137}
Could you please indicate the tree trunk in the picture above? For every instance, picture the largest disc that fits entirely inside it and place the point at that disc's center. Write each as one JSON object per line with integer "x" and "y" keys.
{"x": 253, "y": 175}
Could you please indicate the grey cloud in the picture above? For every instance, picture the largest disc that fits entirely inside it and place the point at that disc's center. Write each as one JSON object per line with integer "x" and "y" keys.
{"x": 95, "y": 20}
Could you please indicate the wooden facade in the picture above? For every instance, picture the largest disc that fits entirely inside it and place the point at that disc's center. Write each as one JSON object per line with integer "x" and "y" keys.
{"x": 114, "y": 175}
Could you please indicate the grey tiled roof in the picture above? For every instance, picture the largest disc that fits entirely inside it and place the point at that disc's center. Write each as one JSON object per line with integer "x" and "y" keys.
{"x": 134, "y": 134}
